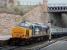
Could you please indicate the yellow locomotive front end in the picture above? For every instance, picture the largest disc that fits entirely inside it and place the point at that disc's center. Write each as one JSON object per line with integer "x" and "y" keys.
{"x": 21, "y": 32}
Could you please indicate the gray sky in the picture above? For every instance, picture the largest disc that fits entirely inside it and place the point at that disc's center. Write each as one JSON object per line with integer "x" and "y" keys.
{"x": 57, "y": 2}
{"x": 28, "y": 2}
{"x": 50, "y": 2}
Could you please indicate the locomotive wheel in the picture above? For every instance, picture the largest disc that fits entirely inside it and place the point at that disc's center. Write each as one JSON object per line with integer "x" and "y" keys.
{"x": 41, "y": 38}
{"x": 11, "y": 42}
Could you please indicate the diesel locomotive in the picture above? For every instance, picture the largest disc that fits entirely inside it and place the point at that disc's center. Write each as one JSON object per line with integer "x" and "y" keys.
{"x": 26, "y": 32}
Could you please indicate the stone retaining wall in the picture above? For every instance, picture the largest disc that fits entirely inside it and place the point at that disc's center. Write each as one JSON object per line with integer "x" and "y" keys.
{"x": 7, "y": 21}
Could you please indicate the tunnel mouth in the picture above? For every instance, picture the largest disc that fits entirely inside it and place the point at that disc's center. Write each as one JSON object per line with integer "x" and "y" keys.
{"x": 58, "y": 19}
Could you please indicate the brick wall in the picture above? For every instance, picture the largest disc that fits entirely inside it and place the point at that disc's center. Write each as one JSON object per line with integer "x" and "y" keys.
{"x": 38, "y": 15}
{"x": 7, "y": 21}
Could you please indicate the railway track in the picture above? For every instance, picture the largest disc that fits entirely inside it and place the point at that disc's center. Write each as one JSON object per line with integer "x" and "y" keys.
{"x": 34, "y": 46}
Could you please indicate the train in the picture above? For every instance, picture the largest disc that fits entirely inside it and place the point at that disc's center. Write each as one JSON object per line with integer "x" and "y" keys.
{"x": 28, "y": 33}
{"x": 58, "y": 32}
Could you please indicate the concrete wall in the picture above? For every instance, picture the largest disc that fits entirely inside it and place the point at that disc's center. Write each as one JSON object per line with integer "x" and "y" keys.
{"x": 64, "y": 19}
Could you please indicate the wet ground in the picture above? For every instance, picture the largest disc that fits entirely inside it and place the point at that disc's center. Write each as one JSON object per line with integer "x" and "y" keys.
{"x": 59, "y": 45}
